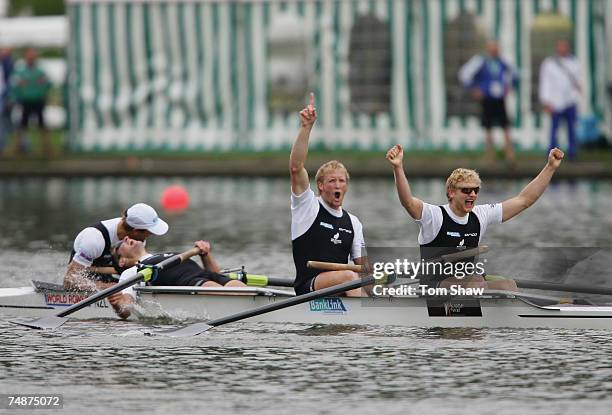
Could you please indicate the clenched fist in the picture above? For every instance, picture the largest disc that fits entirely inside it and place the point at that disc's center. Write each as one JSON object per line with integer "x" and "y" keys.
{"x": 554, "y": 158}
{"x": 395, "y": 155}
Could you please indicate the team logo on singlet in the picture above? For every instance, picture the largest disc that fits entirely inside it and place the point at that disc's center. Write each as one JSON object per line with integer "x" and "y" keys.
{"x": 326, "y": 225}
{"x": 335, "y": 239}
{"x": 461, "y": 245}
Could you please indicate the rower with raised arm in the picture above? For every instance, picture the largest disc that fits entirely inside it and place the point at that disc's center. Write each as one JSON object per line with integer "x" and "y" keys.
{"x": 321, "y": 230}
{"x": 461, "y": 224}
{"x": 130, "y": 253}
{"x": 90, "y": 265}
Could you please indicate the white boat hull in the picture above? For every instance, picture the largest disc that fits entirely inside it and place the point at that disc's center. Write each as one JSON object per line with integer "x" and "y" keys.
{"x": 495, "y": 309}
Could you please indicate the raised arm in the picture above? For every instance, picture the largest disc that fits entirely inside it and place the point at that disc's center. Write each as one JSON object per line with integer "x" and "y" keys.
{"x": 413, "y": 205}
{"x": 299, "y": 151}
{"x": 533, "y": 191}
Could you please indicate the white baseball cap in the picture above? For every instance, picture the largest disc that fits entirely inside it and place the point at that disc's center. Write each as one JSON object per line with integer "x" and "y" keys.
{"x": 143, "y": 216}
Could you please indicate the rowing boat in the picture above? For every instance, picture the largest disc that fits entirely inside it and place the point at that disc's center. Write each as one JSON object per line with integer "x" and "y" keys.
{"x": 492, "y": 309}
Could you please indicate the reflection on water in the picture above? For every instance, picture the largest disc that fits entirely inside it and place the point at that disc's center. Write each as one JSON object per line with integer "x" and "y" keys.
{"x": 47, "y": 213}
{"x": 455, "y": 333}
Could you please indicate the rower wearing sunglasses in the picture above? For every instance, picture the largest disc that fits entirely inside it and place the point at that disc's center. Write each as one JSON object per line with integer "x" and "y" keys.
{"x": 461, "y": 224}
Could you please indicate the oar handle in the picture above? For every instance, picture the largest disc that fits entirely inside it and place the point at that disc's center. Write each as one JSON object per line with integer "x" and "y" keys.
{"x": 178, "y": 258}
{"x": 455, "y": 256}
{"x": 468, "y": 253}
{"x": 334, "y": 266}
{"x": 174, "y": 260}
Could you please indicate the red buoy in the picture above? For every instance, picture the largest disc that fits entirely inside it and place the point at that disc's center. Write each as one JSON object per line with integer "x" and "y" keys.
{"x": 175, "y": 198}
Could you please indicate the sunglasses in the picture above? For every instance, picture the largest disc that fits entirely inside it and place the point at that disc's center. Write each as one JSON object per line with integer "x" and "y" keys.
{"x": 469, "y": 190}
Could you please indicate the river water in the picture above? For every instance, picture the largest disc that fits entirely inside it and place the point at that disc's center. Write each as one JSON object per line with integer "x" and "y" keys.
{"x": 108, "y": 366}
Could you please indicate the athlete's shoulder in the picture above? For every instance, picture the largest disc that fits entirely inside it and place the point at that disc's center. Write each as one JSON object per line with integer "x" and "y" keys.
{"x": 110, "y": 223}
{"x": 352, "y": 215}
{"x": 488, "y": 212}
{"x": 89, "y": 236}
{"x": 486, "y": 207}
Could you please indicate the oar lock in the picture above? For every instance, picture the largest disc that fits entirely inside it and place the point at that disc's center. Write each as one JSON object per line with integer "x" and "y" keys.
{"x": 148, "y": 276}
{"x": 239, "y": 274}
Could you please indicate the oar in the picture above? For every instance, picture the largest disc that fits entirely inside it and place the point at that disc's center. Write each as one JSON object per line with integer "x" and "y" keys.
{"x": 199, "y": 328}
{"x": 573, "y": 288}
{"x": 456, "y": 256}
{"x": 256, "y": 280}
{"x": 334, "y": 266}
{"x": 52, "y": 322}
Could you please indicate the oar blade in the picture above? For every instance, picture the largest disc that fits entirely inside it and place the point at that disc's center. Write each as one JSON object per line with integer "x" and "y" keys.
{"x": 43, "y": 323}
{"x": 187, "y": 331}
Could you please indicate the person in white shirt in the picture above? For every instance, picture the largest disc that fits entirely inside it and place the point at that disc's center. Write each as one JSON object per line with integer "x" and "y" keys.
{"x": 461, "y": 224}
{"x": 559, "y": 92}
{"x": 91, "y": 265}
{"x": 320, "y": 229}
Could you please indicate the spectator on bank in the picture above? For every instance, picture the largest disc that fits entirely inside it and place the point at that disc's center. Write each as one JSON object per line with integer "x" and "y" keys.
{"x": 29, "y": 89}
{"x": 491, "y": 78}
{"x": 559, "y": 92}
{"x": 6, "y": 70}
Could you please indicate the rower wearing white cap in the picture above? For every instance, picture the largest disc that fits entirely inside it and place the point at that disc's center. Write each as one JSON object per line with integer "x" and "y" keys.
{"x": 91, "y": 264}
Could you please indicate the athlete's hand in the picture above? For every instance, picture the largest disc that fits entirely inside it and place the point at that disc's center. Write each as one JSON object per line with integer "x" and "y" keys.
{"x": 395, "y": 155}
{"x": 308, "y": 115}
{"x": 204, "y": 247}
{"x": 554, "y": 158}
{"x": 115, "y": 299}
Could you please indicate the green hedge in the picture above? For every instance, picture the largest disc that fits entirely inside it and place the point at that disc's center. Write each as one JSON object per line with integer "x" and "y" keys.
{"x": 36, "y": 7}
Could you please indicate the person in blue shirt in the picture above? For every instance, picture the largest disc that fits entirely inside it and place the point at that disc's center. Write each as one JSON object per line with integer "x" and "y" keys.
{"x": 6, "y": 70}
{"x": 491, "y": 78}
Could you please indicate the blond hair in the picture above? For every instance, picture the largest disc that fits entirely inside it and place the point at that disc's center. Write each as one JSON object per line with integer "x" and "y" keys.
{"x": 461, "y": 175}
{"x": 328, "y": 167}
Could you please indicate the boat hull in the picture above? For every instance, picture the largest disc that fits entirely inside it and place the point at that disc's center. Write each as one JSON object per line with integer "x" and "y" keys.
{"x": 492, "y": 310}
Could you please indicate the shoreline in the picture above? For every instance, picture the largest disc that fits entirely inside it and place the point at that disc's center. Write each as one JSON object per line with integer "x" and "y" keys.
{"x": 596, "y": 165}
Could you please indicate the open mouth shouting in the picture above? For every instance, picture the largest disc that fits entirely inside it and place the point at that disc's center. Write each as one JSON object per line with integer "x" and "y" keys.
{"x": 333, "y": 188}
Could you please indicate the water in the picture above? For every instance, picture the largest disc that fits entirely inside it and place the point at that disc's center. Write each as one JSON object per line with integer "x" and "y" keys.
{"x": 110, "y": 366}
